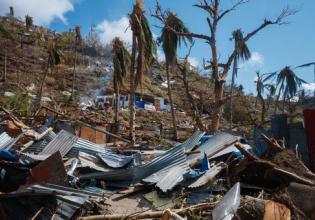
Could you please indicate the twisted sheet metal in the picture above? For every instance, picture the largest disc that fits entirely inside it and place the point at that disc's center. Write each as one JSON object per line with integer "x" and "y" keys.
{"x": 70, "y": 146}
{"x": 215, "y": 144}
{"x": 173, "y": 157}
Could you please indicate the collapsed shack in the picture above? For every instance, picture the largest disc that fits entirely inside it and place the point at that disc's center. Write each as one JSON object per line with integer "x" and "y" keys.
{"x": 52, "y": 174}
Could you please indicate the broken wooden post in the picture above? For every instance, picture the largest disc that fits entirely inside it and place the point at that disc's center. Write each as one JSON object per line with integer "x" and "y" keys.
{"x": 37, "y": 138}
{"x": 245, "y": 152}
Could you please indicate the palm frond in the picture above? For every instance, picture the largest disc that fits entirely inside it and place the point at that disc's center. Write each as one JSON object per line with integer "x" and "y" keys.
{"x": 170, "y": 40}
{"x": 269, "y": 76}
{"x": 242, "y": 50}
{"x": 305, "y": 65}
{"x": 146, "y": 46}
{"x": 289, "y": 82}
{"x": 121, "y": 61}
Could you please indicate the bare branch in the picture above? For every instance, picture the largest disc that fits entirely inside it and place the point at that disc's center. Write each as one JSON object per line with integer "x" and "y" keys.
{"x": 286, "y": 12}
{"x": 240, "y": 2}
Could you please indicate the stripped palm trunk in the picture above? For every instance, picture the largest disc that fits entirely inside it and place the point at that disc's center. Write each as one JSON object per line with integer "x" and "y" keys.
{"x": 169, "y": 91}
{"x": 132, "y": 92}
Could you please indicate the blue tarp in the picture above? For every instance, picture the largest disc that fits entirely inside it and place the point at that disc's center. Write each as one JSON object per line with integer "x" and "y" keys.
{"x": 260, "y": 145}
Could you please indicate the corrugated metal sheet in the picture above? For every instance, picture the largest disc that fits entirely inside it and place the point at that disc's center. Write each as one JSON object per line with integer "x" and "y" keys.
{"x": 88, "y": 147}
{"x": 190, "y": 143}
{"x": 207, "y": 177}
{"x": 115, "y": 160}
{"x": 6, "y": 141}
{"x": 297, "y": 136}
{"x": 173, "y": 177}
{"x": 70, "y": 146}
{"x": 63, "y": 143}
{"x": 173, "y": 157}
{"x": 69, "y": 200}
{"x": 88, "y": 160}
{"x": 279, "y": 127}
{"x": 212, "y": 146}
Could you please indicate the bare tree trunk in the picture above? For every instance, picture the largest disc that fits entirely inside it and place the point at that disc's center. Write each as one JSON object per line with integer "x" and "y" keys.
{"x": 74, "y": 71}
{"x": 171, "y": 101}
{"x": 216, "y": 112}
{"x": 39, "y": 97}
{"x": 132, "y": 92}
{"x": 231, "y": 91}
{"x": 117, "y": 107}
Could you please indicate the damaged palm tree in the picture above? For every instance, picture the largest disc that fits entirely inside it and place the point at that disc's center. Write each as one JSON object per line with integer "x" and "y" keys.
{"x": 142, "y": 56}
{"x": 288, "y": 83}
{"x": 242, "y": 53}
{"x": 121, "y": 60}
{"x": 170, "y": 41}
{"x": 77, "y": 43}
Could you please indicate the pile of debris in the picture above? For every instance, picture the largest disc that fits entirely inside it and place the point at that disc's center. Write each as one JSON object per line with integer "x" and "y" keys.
{"x": 47, "y": 174}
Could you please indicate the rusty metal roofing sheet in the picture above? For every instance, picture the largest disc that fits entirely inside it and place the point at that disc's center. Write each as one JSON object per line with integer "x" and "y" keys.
{"x": 215, "y": 144}
{"x": 63, "y": 143}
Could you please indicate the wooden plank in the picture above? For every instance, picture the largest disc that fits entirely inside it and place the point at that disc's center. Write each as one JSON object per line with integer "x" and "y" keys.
{"x": 276, "y": 211}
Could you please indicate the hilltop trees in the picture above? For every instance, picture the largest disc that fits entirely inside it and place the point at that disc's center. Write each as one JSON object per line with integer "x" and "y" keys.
{"x": 170, "y": 41}
{"x": 121, "y": 60}
{"x": 142, "y": 56}
{"x": 219, "y": 70}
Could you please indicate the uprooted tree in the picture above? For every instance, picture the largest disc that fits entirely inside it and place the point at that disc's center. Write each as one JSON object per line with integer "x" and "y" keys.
{"x": 219, "y": 70}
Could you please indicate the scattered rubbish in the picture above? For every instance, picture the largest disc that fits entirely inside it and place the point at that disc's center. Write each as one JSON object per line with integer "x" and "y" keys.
{"x": 70, "y": 176}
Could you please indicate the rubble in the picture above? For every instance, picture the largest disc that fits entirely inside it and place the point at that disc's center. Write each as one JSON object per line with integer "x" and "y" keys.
{"x": 63, "y": 176}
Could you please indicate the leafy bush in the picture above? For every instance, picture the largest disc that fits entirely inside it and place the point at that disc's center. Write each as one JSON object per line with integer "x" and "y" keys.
{"x": 21, "y": 102}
